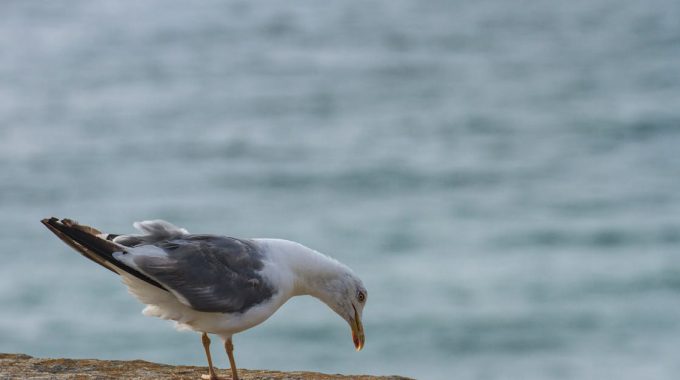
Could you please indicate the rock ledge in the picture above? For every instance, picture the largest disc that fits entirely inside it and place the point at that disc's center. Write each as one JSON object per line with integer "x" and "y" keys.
{"x": 20, "y": 366}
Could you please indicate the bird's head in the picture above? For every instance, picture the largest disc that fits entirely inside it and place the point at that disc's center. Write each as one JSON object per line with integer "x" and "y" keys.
{"x": 347, "y": 296}
{"x": 325, "y": 278}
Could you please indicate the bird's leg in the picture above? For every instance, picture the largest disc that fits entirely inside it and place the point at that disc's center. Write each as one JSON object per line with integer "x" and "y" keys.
{"x": 206, "y": 344}
{"x": 230, "y": 352}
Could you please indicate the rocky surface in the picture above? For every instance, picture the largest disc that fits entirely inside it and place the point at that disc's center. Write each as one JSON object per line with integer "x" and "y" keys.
{"x": 19, "y": 366}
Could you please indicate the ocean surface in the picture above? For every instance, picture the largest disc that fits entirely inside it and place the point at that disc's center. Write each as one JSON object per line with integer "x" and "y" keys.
{"x": 504, "y": 176}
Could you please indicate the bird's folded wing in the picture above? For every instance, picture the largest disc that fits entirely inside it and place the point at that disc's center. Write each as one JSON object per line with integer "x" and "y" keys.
{"x": 206, "y": 272}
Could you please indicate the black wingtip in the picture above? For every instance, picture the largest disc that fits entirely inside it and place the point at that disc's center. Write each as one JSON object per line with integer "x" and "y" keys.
{"x": 49, "y": 220}
{"x": 85, "y": 240}
{"x": 62, "y": 229}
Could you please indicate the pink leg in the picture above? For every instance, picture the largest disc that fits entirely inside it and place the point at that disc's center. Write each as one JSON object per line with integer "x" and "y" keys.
{"x": 229, "y": 346}
{"x": 206, "y": 344}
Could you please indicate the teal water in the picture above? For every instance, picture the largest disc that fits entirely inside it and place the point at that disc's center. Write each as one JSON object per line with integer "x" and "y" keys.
{"x": 504, "y": 176}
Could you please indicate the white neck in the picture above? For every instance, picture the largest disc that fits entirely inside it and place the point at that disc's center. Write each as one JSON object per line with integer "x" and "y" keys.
{"x": 311, "y": 273}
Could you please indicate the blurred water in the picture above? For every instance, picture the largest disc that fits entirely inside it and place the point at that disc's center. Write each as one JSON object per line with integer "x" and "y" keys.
{"x": 504, "y": 176}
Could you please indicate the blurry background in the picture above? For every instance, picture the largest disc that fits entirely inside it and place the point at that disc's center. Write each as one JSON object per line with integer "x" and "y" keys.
{"x": 505, "y": 176}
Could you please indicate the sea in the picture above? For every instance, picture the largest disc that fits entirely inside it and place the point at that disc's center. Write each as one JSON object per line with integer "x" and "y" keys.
{"x": 503, "y": 175}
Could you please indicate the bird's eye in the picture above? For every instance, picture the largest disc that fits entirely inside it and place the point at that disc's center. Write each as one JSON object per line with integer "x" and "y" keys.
{"x": 361, "y": 296}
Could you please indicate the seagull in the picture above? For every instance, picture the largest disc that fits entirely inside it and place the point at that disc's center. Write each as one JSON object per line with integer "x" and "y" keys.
{"x": 216, "y": 284}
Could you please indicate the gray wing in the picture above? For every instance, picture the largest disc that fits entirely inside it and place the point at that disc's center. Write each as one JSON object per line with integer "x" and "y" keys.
{"x": 212, "y": 273}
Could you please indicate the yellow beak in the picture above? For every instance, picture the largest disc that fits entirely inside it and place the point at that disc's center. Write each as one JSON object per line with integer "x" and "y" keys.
{"x": 357, "y": 331}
